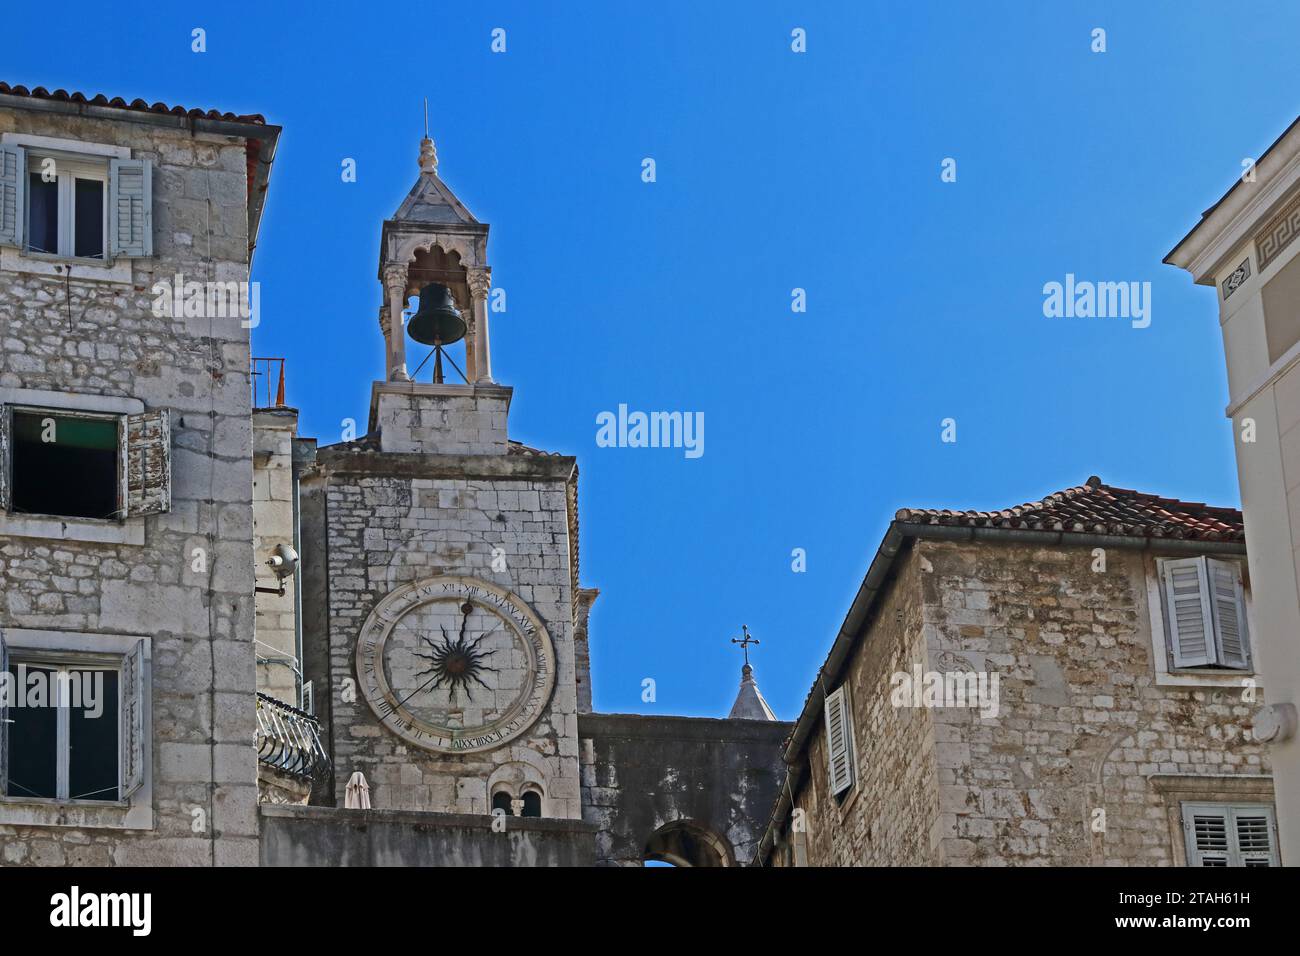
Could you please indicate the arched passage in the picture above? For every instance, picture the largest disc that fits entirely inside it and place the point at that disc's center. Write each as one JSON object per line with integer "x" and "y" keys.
{"x": 683, "y": 843}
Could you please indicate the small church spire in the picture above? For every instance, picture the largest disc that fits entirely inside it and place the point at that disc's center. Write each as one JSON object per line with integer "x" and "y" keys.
{"x": 749, "y": 704}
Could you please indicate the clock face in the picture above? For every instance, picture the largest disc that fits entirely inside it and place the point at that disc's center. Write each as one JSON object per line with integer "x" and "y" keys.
{"x": 455, "y": 665}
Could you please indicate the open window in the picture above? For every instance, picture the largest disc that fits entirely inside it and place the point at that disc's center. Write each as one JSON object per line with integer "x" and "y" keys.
{"x": 88, "y": 465}
{"x": 71, "y": 726}
{"x": 70, "y": 205}
{"x": 840, "y": 761}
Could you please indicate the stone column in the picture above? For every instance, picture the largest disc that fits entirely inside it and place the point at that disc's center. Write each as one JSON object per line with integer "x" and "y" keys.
{"x": 471, "y": 360}
{"x": 480, "y": 283}
{"x": 388, "y": 340}
{"x": 395, "y": 285}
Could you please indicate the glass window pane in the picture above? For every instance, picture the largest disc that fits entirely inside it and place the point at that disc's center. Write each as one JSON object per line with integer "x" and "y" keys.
{"x": 33, "y": 735}
{"x": 64, "y": 465}
{"x": 88, "y": 211}
{"x": 43, "y": 214}
{"x": 92, "y": 735}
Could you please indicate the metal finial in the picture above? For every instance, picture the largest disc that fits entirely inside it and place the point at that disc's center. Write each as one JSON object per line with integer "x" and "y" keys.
{"x": 744, "y": 645}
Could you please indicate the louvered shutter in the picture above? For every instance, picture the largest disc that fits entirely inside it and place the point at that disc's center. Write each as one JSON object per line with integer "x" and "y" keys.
{"x": 13, "y": 182}
{"x": 1228, "y": 604}
{"x": 4, "y": 719}
{"x": 6, "y": 466}
{"x": 130, "y": 207}
{"x": 1187, "y": 601}
{"x": 1254, "y": 831}
{"x": 1207, "y": 835}
{"x": 146, "y": 454}
{"x": 133, "y": 692}
{"x": 839, "y": 741}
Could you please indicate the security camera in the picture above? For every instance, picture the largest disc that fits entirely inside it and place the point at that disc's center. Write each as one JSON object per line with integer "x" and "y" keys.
{"x": 283, "y": 562}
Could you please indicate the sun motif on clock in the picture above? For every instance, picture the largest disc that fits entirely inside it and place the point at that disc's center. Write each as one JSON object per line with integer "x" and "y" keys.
{"x": 455, "y": 664}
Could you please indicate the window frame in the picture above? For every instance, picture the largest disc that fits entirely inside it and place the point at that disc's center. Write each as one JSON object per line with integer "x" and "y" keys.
{"x": 69, "y": 167}
{"x": 120, "y": 419}
{"x": 843, "y": 794}
{"x": 135, "y": 810}
{"x": 63, "y": 663}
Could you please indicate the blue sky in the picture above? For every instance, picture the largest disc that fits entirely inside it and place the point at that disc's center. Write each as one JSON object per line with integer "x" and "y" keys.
{"x": 775, "y": 170}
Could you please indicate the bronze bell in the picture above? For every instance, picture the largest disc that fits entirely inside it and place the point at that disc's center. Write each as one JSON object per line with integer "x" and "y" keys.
{"x": 438, "y": 321}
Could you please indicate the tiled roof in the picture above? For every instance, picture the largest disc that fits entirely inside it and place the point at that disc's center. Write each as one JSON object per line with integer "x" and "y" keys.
{"x": 1097, "y": 508}
{"x": 99, "y": 99}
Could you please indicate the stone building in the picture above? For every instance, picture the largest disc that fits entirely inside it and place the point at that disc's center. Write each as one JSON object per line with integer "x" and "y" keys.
{"x": 1067, "y": 682}
{"x": 126, "y": 498}
{"x": 1245, "y": 248}
{"x": 281, "y": 630}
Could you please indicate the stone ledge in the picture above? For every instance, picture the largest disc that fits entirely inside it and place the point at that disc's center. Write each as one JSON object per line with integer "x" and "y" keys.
{"x": 644, "y": 726}
{"x": 416, "y": 465}
{"x": 473, "y": 821}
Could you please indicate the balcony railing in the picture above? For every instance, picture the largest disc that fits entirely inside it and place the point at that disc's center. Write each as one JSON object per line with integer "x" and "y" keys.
{"x": 288, "y": 739}
{"x": 268, "y": 382}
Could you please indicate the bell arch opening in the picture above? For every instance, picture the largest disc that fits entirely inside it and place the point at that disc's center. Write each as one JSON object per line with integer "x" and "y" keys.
{"x": 686, "y": 843}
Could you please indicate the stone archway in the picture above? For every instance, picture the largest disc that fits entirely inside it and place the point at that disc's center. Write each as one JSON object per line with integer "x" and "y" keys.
{"x": 684, "y": 843}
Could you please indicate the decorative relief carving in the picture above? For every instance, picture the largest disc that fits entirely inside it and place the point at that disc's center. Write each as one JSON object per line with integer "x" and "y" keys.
{"x": 1278, "y": 234}
{"x": 395, "y": 279}
{"x": 480, "y": 282}
{"x": 1237, "y": 279}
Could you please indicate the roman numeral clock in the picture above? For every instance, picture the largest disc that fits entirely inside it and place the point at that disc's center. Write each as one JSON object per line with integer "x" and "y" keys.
{"x": 455, "y": 664}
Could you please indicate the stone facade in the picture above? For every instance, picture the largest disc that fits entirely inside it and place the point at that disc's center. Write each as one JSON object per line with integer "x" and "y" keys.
{"x": 86, "y": 335}
{"x": 1093, "y": 746}
{"x": 274, "y": 523}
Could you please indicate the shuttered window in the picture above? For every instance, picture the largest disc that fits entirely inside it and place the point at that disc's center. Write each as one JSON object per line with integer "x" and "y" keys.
{"x": 1205, "y": 612}
{"x": 77, "y": 734}
{"x": 75, "y": 205}
{"x": 73, "y": 464}
{"x": 1230, "y": 834}
{"x": 839, "y": 741}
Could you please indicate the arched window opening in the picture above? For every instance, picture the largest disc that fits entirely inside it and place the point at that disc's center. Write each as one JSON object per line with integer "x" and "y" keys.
{"x": 532, "y": 804}
{"x": 501, "y": 801}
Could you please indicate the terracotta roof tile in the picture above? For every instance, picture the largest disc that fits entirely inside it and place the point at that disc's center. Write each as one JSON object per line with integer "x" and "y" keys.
{"x": 1097, "y": 508}
{"x": 140, "y": 106}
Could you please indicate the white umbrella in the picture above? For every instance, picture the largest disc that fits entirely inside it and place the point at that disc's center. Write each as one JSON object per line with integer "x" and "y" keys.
{"x": 357, "y": 794}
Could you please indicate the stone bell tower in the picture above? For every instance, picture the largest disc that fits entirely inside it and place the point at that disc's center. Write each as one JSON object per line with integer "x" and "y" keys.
{"x": 450, "y": 558}
{"x": 434, "y": 238}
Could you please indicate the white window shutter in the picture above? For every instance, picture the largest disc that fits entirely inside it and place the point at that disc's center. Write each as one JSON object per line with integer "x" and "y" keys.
{"x": 146, "y": 456}
{"x": 1187, "y": 603}
{"x": 1254, "y": 829}
{"x": 133, "y": 691}
{"x": 1228, "y": 603}
{"x": 839, "y": 741}
{"x": 4, "y": 721}
{"x": 13, "y": 183}
{"x": 1207, "y": 834}
{"x": 130, "y": 207}
{"x": 6, "y": 466}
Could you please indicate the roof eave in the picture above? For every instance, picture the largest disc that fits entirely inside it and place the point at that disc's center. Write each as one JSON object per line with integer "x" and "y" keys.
{"x": 1223, "y": 226}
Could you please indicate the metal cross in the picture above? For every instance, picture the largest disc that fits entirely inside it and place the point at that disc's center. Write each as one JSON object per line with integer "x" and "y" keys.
{"x": 744, "y": 645}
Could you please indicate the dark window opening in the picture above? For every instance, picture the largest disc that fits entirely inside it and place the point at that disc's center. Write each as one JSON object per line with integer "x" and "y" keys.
{"x": 92, "y": 738}
{"x": 501, "y": 801}
{"x": 43, "y": 214}
{"x": 532, "y": 804}
{"x": 33, "y": 738}
{"x": 64, "y": 465}
{"x": 88, "y": 215}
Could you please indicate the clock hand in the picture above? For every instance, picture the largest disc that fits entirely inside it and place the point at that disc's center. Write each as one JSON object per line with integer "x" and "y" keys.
{"x": 416, "y": 691}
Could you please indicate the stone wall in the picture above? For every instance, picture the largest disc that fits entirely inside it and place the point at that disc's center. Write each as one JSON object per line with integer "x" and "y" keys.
{"x": 89, "y": 335}
{"x": 642, "y": 774}
{"x": 320, "y": 836}
{"x": 385, "y": 527}
{"x": 1083, "y": 723}
{"x": 274, "y": 502}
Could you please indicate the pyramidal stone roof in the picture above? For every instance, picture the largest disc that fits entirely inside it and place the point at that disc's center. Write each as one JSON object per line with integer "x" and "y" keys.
{"x": 430, "y": 200}
{"x": 750, "y": 704}
{"x": 1097, "y": 508}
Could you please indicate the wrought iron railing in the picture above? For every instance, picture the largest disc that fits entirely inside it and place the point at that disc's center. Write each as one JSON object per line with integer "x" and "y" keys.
{"x": 268, "y": 382}
{"x": 288, "y": 739}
